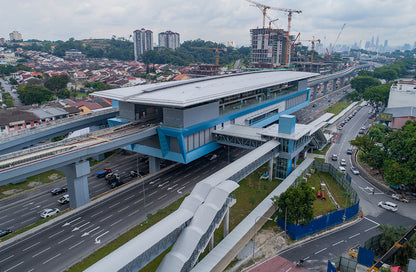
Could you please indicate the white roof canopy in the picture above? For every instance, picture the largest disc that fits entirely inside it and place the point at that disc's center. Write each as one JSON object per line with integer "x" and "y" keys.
{"x": 196, "y": 91}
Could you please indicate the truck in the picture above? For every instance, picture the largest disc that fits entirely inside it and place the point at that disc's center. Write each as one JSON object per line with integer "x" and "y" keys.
{"x": 103, "y": 173}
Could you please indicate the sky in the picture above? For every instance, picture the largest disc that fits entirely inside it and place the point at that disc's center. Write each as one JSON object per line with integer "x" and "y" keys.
{"x": 213, "y": 20}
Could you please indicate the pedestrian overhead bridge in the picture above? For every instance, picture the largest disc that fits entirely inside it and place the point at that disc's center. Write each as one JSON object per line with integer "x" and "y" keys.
{"x": 193, "y": 224}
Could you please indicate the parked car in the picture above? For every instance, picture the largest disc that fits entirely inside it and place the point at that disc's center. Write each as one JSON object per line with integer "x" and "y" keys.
{"x": 59, "y": 190}
{"x": 388, "y": 206}
{"x": 343, "y": 162}
{"x": 355, "y": 170}
{"x": 5, "y": 232}
{"x": 63, "y": 199}
{"x": 334, "y": 157}
{"x": 49, "y": 212}
{"x": 399, "y": 198}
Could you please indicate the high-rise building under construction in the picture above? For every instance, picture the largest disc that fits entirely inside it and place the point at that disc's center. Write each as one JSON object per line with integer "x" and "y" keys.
{"x": 143, "y": 41}
{"x": 268, "y": 47}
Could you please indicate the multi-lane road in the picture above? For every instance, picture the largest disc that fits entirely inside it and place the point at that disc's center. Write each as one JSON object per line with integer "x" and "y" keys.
{"x": 69, "y": 240}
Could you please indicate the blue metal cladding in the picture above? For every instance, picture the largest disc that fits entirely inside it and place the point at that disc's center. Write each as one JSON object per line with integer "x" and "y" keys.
{"x": 165, "y": 133}
{"x": 331, "y": 219}
{"x": 331, "y": 267}
{"x": 365, "y": 256}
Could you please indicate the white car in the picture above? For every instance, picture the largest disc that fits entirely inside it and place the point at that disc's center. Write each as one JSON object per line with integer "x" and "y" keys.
{"x": 49, "y": 212}
{"x": 63, "y": 199}
{"x": 399, "y": 198}
{"x": 342, "y": 169}
{"x": 343, "y": 162}
{"x": 354, "y": 170}
{"x": 388, "y": 206}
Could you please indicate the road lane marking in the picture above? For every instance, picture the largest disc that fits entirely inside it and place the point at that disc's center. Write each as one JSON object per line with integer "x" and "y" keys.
{"x": 48, "y": 260}
{"x": 97, "y": 241}
{"x": 77, "y": 244}
{"x": 3, "y": 216}
{"x": 320, "y": 251}
{"x": 118, "y": 221}
{"x": 170, "y": 188}
{"x": 25, "y": 214}
{"x": 97, "y": 213}
{"x": 7, "y": 221}
{"x": 354, "y": 236}
{"x": 106, "y": 218}
{"x": 163, "y": 184}
{"x": 372, "y": 221}
{"x": 130, "y": 214}
{"x": 65, "y": 239}
{"x": 11, "y": 256}
{"x": 125, "y": 208}
{"x": 35, "y": 244}
{"x": 113, "y": 205}
{"x": 56, "y": 233}
{"x": 127, "y": 198}
{"x": 77, "y": 228}
{"x": 30, "y": 219}
{"x": 287, "y": 270}
{"x": 148, "y": 204}
{"x": 165, "y": 195}
{"x": 28, "y": 204}
{"x": 306, "y": 258}
{"x": 371, "y": 228}
{"x": 153, "y": 193}
{"x": 186, "y": 183}
{"x": 337, "y": 243}
{"x": 137, "y": 201}
{"x": 13, "y": 267}
{"x": 68, "y": 223}
{"x": 41, "y": 252}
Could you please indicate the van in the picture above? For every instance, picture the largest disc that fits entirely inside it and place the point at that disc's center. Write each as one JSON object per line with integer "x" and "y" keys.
{"x": 388, "y": 206}
{"x": 342, "y": 169}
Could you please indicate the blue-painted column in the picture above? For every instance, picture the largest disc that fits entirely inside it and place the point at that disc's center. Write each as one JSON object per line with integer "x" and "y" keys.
{"x": 76, "y": 176}
{"x": 154, "y": 164}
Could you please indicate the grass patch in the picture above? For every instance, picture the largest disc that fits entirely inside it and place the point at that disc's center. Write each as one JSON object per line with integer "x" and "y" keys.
{"x": 31, "y": 182}
{"x": 337, "y": 107}
{"x": 321, "y": 207}
{"x": 124, "y": 238}
{"x": 323, "y": 151}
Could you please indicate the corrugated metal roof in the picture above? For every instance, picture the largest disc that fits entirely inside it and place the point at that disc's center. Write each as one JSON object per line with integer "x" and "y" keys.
{"x": 195, "y": 91}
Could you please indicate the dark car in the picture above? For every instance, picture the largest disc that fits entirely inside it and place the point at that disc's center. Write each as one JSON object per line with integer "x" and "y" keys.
{"x": 5, "y": 232}
{"x": 59, "y": 190}
{"x": 115, "y": 184}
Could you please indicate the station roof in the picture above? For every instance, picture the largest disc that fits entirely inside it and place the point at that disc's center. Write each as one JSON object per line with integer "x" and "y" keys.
{"x": 190, "y": 92}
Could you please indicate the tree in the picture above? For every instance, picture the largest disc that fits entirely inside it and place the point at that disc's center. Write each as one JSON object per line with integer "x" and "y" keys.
{"x": 377, "y": 93}
{"x": 360, "y": 83}
{"x": 56, "y": 83}
{"x": 298, "y": 200}
{"x": 29, "y": 94}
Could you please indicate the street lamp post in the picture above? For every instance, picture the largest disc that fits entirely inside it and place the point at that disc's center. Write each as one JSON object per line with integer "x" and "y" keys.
{"x": 254, "y": 236}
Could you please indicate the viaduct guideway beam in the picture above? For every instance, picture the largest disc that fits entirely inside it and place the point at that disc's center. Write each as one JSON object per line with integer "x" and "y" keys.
{"x": 77, "y": 180}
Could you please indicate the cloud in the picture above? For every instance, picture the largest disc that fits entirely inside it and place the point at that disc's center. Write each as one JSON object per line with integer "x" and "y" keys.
{"x": 216, "y": 20}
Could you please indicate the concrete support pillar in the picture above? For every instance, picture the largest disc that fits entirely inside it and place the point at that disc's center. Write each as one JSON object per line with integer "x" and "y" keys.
{"x": 334, "y": 84}
{"x": 211, "y": 242}
{"x": 154, "y": 164}
{"x": 76, "y": 176}
{"x": 99, "y": 157}
{"x": 226, "y": 222}
{"x": 325, "y": 87}
{"x": 271, "y": 169}
{"x": 342, "y": 82}
{"x": 315, "y": 91}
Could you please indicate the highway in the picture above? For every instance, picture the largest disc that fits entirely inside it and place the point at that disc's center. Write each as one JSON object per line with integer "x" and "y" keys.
{"x": 317, "y": 252}
{"x": 65, "y": 242}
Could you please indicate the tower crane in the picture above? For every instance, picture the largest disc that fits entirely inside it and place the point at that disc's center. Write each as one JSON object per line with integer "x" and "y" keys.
{"x": 339, "y": 33}
{"x": 217, "y": 52}
{"x": 289, "y": 12}
{"x": 313, "y": 45}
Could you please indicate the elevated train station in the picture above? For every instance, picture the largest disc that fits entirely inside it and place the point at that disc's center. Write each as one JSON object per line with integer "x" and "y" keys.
{"x": 194, "y": 114}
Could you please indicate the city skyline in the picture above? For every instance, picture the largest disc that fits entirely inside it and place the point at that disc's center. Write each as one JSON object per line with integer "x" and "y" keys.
{"x": 219, "y": 21}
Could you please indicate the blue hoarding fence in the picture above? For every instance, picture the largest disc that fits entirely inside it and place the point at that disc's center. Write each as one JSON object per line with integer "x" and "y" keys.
{"x": 331, "y": 219}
